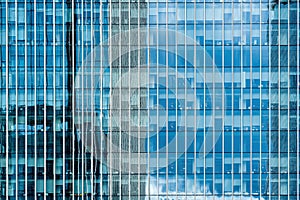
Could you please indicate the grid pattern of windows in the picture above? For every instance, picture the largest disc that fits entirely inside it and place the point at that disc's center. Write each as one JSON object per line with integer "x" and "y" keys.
{"x": 42, "y": 44}
{"x": 249, "y": 43}
{"x": 149, "y": 99}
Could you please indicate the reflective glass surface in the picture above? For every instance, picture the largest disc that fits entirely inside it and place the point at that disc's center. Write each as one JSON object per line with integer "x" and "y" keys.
{"x": 149, "y": 99}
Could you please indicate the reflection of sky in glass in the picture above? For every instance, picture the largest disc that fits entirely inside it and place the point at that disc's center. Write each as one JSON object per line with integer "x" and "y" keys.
{"x": 223, "y": 43}
{"x": 246, "y": 160}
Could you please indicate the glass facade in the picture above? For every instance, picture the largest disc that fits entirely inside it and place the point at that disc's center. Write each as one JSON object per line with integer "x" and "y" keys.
{"x": 149, "y": 99}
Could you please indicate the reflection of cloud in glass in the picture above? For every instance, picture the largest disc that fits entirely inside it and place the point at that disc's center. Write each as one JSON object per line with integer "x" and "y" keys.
{"x": 188, "y": 189}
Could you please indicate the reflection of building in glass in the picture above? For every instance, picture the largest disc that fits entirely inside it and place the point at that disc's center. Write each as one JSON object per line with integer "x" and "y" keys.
{"x": 211, "y": 85}
{"x": 282, "y": 137}
{"x": 40, "y": 153}
{"x": 127, "y": 100}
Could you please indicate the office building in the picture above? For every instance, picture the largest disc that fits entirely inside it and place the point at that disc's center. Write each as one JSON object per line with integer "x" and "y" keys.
{"x": 149, "y": 99}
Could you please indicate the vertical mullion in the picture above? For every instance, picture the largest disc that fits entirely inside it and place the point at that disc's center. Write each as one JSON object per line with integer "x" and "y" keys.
{"x": 120, "y": 93}
{"x": 17, "y": 117}
{"x": 269, "y": 106}
{"x": 129, "y": 92}
{"x": 35, "y": 107}
{"x": 223, "y": 101}
{"x": 298, "y": 71}
{"x": 101, "y": 99}
{"x": 64, "y": 103}
{"x": 92, "y": 98}
{"x": 147, "y": 65}
{"x": 260, "y": 99}
{"x": 157, "y": 99}
{"x": 298, "y": 137}
{"x": 26, "y": 105}
{"x": 185, "y": 102}
{"x": 54, "y": 102}
{"x": 241, "y": 99}
{"x": 204, "y": 100}
{"x": 176, "y": 96}
{"x": 82, "y": 101}
{"x": 232, "y": 97}
{"x": 6, "y": 100}
{"x": 195, "y": 103}
{"x": 45, "y": 103}
{"x": 167, "y": 104}
{"x": 73, "y": 94}
{"x": 139, "y": 103}
{"x": 110, "y": 102}
{"x": 279, "y": 100}
{"x": 213, "y": 100}
{"x": 85, "y": 73}
{"x": 251, "y": 97}
{"x": 288, "y": 95}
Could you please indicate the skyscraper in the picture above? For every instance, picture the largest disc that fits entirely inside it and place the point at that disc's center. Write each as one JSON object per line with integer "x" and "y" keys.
{"x": 149, "y": 99}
